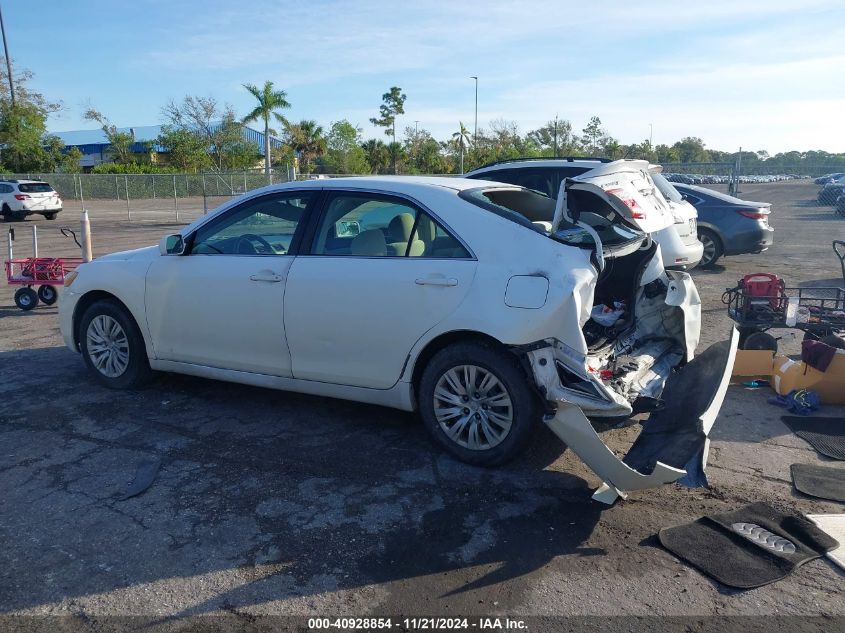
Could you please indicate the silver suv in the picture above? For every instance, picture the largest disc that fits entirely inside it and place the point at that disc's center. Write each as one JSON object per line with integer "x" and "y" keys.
{"x": 21, "y": 198}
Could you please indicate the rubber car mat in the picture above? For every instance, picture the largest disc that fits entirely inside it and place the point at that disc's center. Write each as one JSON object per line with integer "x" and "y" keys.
{"x": 750, "y": 547}
{"x": 826, "y": 435}
{"x": 144, "y": 477}
{"x": 823, "y": 482}
{"x": 673, "y": 433}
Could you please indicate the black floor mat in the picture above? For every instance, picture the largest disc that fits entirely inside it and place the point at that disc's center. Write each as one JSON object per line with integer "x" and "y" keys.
{"x": 749, "y": 547}
{"x": 819, "y": 481}
{"x": 826, "y": 435}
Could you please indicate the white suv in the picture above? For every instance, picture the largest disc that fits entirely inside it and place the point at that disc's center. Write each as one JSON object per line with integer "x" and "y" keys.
{"x": 679, "y": 243}
{"x": 21, "y": 198}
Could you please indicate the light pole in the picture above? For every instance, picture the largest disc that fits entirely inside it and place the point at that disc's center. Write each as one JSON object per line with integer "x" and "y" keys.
{"x": 416, "y": 127}
{"x": 8, "y": 61}
{"x": 475, "y": 129}
{"x": 650, "y": 134}
{"x": 555, "y": 136}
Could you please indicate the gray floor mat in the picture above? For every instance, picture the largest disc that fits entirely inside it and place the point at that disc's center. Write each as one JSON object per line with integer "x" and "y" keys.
{"x": 749, "y": 547}
{"x": 819, "y": 481}
{"x": 826, "y": 435}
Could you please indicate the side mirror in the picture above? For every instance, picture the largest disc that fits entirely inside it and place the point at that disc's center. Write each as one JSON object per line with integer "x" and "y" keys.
{"x": 171, "y": 245}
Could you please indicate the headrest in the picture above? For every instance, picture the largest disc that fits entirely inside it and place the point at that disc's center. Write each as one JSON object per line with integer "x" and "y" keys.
{"x": 369, "y": 243}
{"x": 400, "y": 227}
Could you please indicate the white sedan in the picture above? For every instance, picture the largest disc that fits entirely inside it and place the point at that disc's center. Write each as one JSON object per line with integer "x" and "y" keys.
{"x": 451, "y": 297}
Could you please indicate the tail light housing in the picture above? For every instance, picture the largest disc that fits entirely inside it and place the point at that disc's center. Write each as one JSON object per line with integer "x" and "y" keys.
{"x": 754, "y": 214}
{"x": 636, "y": 211}
{"x": 21, "y": 196}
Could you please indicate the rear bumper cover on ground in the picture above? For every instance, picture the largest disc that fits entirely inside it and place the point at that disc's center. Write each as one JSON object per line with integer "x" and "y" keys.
{"x": 674, "y": 443}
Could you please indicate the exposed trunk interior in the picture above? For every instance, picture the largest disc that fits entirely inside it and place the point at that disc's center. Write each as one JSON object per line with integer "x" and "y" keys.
{"x": 633, "y": 356}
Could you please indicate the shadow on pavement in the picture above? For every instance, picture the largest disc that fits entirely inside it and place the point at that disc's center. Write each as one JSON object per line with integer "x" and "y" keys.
{"x": 266, "y": 495}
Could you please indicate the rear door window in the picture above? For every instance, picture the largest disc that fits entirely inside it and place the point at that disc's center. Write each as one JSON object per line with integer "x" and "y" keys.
{"x": 35, "y": 187}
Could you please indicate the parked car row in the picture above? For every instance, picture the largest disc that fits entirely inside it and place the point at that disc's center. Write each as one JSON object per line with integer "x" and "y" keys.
{"x": 714, "y": 179}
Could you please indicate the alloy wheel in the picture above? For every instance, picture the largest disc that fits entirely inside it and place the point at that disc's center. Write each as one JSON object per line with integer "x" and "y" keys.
{"x": 709, "y": 249}
{"x": 108, "y": 346}
{"x": 473, "y": 407}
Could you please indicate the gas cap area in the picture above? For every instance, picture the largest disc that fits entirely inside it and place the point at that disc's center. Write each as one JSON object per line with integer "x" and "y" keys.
{"x": 527, "y": 291}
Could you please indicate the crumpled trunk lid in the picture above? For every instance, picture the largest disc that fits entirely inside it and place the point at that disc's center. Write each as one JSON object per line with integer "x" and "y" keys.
{"x": 625, "y": 186}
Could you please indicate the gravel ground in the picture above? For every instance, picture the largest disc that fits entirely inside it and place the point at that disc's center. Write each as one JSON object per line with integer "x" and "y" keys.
{"x": 277, "y": 503}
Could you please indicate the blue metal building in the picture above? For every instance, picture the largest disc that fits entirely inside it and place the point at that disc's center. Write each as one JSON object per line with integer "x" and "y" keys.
{"x": 94, "y": 145}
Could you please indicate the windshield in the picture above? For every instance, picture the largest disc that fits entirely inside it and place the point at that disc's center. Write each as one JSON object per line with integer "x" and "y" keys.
{"x": 35, "y": 187}
{"x": 666, "y": 188}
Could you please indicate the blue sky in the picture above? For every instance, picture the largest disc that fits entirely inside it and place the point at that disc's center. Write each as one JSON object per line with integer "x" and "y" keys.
{"x": 761, "y": 74}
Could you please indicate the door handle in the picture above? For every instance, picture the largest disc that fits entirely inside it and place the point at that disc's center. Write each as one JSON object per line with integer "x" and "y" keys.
{"x": 437, "y": 281}
{"x": 266, "y": 275}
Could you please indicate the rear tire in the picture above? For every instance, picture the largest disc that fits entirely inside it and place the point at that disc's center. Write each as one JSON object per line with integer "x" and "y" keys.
{"x": 26, "y": 299}
{"x": 712, "y": 248}
{"x": 112, "y": 346}
{"x": 48, "y": 295}
{"x": 49, "y": 216}
{"x": 493, "y": 407}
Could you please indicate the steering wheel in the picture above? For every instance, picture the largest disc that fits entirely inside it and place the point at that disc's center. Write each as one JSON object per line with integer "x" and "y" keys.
{"x": 249, "y": 238}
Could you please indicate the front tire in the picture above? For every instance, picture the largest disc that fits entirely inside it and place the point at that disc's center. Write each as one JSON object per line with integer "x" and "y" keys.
{"x": 476, "y": 402}
{"x": 113, "y": 347}
{"x": 712, "y": 248}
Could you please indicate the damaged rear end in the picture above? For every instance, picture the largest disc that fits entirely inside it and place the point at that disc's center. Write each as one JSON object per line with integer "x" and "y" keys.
{"x": 634, "y": 352}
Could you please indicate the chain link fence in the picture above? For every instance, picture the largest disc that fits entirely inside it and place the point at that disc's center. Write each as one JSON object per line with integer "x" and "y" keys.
{"x": 182, "y": 197}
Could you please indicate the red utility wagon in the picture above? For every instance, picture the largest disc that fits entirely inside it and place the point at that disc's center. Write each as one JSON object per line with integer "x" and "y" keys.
{"x": 44, "y": 272}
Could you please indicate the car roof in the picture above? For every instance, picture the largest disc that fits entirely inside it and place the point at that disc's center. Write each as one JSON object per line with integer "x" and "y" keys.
{"x": 603, "y": 165}
{"x": 399, "y": 184}
{"x": 23, "y": 181}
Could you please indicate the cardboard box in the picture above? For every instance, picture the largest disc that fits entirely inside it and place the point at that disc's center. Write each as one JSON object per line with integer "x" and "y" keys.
{"x": 753, "y": 363}
{"x": 791, "y": 374}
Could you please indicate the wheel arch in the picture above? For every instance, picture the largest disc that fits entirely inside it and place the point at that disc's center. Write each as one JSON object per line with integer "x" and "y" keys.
{"x": 441, "y": 342}
{"x": 89, "y": 299}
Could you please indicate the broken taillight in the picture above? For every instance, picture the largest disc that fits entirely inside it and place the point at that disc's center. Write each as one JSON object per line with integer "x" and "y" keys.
{"x": 636, "y": 211}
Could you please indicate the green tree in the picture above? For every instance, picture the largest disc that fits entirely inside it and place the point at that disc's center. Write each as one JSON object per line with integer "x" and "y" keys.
{"x": 593, "y": 133}
{"x": 24, "y": 145}
{"x": 22, "y": 128}
{"x": 269, "y": 100}
{"x": 690, "y": 149}
{"x": 555, "y": 138}
{"x": 185, "y": 149}
{"x": 307, "y": 140}
{"x": 217, "y": 127}
{"x": 344, "y": 154}
{"x": 424, "y": 153}
{"x": 462, "y": 139}
{"x": 120, "y": 143}
{"x": 393, "y": 104}
{"x": 377, "y": 155}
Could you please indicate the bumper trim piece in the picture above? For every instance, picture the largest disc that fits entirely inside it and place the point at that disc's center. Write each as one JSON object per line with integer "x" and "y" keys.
{"x": 674, "y": 443}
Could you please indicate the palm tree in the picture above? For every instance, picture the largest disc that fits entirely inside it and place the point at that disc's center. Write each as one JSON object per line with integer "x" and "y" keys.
{"x": 269, "y": 101}
{"x": 378, "y": 156}
{"x": 461, "y": 137}
{"x": 307, "y": 140}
